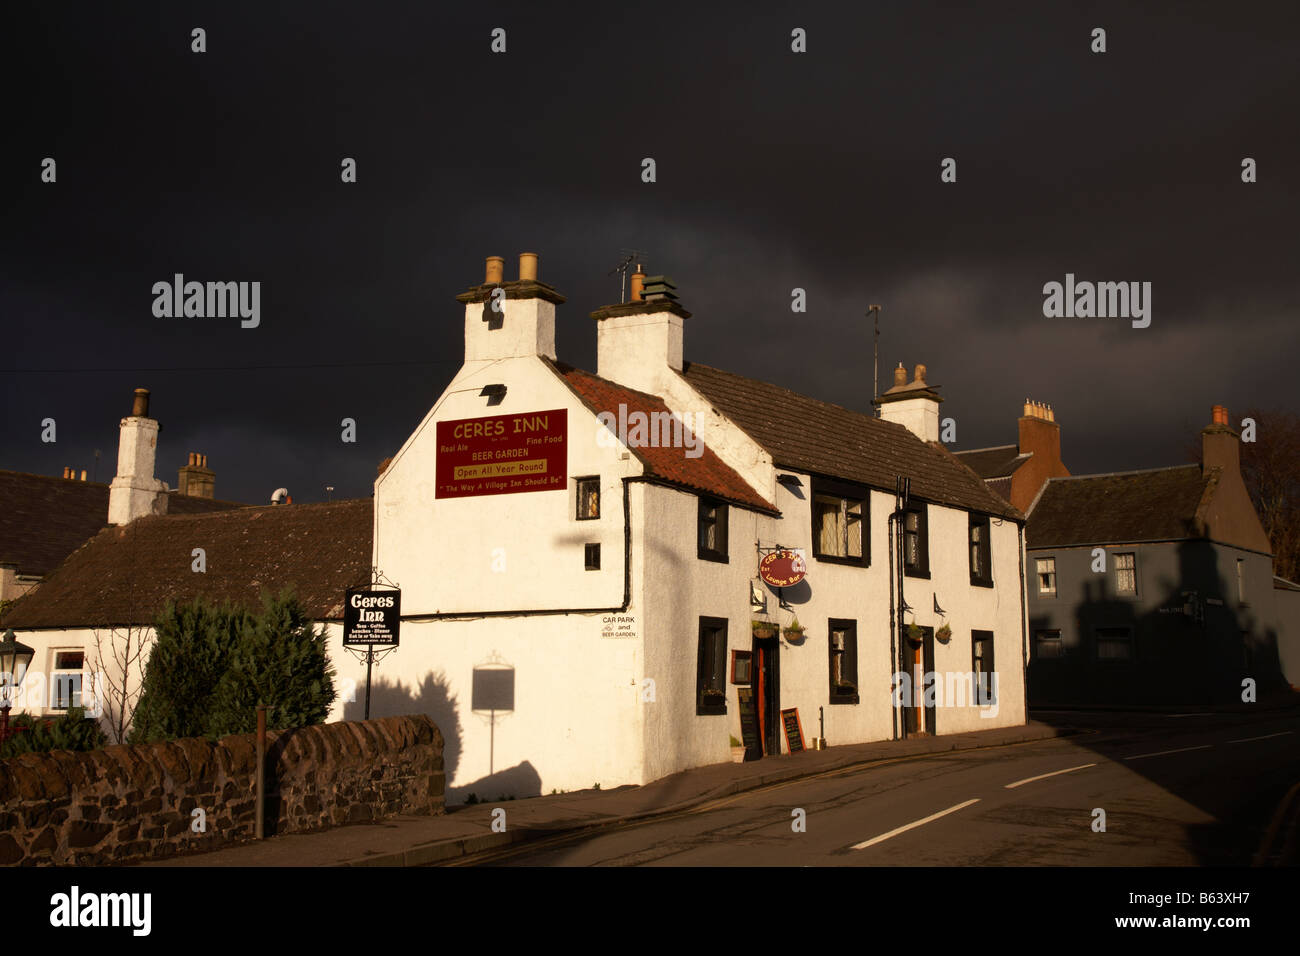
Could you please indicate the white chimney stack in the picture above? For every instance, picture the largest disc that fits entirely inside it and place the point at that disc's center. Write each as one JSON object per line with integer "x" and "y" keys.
{"x": 135, "y": 491}
{"x": 639, "y": 342}
{"x": 914, "y": 405}
{"x": 510, "y": 319}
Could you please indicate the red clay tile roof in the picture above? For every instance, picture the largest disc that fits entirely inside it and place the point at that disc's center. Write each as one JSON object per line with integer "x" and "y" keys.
{"x": 44, "y": 519}
{"x": 988, "y": 463}
{"x": 820, "y": 438}
{"x": 707, "y": 472}
{"x": 125, "y": 575}
{"x": 1163, "y": 504}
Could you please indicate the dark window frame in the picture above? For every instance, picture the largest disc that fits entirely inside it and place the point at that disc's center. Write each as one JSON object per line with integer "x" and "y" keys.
{"x": 1115, "y": 562}
{"x": 1112, "y": 634}
{"x": 988, "y": 659}
{"x": 1045, "y": 636}
{"x": 721, "y": 519}
{"x": 981, "y": 522}
{"x": 846, "y": 492}
{"x": 1038, "y": 581}
{"x": 711, "y": 667}
{"x": 591, "y": 556}
{"x": 849, "y": 666}
{"x": 579, "y": 481}
{"x": 921, "y": 568}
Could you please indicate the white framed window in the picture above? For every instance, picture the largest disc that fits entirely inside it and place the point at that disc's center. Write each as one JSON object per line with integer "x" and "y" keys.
{"x": 65, "y": 679}
{"x": 1046, "y": 568}
{"x": 1126, "y": 581}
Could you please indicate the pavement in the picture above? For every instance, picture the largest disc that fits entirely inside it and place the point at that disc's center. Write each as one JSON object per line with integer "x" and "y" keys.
{"x": 467, "y": 829}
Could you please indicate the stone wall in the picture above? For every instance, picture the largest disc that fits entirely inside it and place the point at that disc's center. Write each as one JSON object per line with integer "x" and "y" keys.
{"x": 128, "y": 803}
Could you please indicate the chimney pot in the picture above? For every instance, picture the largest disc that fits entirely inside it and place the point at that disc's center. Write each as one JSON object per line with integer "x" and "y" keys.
{"x": 1219, "y": 414}
{"x": 496, "y": 270}
{"x": 527, "y": 267}
{"x": 637, "y": 284}
{"x": 65, "y": 471}
{"x": 140, "y": 405}
{"x": 920, "y": 375}
{"x": 83, "y": 474}
{"x": 900, "y": 375}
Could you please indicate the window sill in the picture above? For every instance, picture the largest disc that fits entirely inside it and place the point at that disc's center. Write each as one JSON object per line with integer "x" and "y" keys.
{"x": 844, "y": 699}
{"x": 833, "y": 559}
{"x": 923, "y": 573}
{"x": 717, "y": 556}
{"x": 981, "y": 582}
{"x": 711, "y": 710}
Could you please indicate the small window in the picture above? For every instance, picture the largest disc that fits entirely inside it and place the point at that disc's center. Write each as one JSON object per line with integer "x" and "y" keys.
{"x": 742, "y": 667}
{"x": 839, "y": 518}
{"x": 1241, "y": 583}
{"x": 1114, "y": 644}
{"x": 843, "y": 643}
{"x": 1126, "y": 573}
{"x": 588, "y": 498}
{"x": 712, "y": 530}
{"x": 981, "y": 565}
{"x": 1047, "y": 645}
{"x": 591, "y": 555}
{"x": 711, "y": 667}
{"x": 982, "y": 669}
{"x": 916, "y": 541}
{"x": 65, "y": 679}
{"x": 1046, "y": 576}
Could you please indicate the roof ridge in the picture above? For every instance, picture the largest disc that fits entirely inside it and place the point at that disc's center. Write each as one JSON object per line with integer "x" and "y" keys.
{"x": 75, "y": 481}
{"x": 820, "y": 401}
{"x": 1123, "y": 474}
{"x": 971, "y": 451}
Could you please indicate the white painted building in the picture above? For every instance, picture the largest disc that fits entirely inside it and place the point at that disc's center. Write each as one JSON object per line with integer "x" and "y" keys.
{"x": 580, "y": 572}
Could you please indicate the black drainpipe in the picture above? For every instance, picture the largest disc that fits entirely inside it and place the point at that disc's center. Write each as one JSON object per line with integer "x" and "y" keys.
{"x": 1024, "y": 626}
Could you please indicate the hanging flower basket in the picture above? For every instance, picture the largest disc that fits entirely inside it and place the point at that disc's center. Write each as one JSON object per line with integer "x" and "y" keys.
{"x": 914, "y": 632}
{"x": 794, "y": 633}
{"x": 944, "y": 634}
{"x": 764, "y": 630}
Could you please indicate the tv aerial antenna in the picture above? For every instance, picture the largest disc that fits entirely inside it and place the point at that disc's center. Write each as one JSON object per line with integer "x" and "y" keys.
{"x": 630, "y": 257}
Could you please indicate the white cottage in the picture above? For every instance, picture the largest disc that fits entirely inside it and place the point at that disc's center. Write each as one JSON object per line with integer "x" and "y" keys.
{"x": 579, "y": 557}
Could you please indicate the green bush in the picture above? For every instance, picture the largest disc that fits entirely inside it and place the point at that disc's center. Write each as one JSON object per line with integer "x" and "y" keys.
{"x": 211, "y": 666}
{"x": 71, "y": 731}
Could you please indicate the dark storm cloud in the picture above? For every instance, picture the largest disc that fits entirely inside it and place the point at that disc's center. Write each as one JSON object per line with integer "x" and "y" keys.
{"x": 818, "y": 171}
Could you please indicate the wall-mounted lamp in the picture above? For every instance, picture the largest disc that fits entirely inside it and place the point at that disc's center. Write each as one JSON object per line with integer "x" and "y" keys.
{"x": 790, "y": 481}
{"x": 495, "y": 394}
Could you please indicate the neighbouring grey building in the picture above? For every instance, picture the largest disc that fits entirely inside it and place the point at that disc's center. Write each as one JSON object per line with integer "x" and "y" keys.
{"x": 1185, "y": 608}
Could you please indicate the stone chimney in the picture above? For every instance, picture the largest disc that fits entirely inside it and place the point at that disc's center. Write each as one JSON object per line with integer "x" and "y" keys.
{"x": 639, "y": 342}
{"x": 196, "y": 478}
{"x": 914, "y": 404}
{"x": 135, "y": 492}
{"x": 524, "y": 322}
{"x": 1220, "y": 444}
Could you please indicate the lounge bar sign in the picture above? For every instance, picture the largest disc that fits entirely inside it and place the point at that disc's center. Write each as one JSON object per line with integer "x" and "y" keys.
{"x": 371, "y": 617}
{"x": 503, "y": 454}
{"x": 783, "y": 569}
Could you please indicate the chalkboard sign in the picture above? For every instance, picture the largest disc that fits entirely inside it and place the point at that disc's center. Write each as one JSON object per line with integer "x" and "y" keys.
{"x": 749, "y": 723}
{"x": 793, "y": 729}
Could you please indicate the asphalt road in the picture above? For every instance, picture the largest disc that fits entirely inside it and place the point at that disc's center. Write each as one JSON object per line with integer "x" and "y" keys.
{"x": 1185, "y": 790}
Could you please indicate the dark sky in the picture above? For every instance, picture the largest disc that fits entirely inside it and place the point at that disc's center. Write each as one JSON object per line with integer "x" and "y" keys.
{"x": 775, "y": 171}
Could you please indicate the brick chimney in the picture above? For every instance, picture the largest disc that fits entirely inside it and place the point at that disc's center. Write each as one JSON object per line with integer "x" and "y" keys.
{"x": 525, "y": 323}
{"x": 135, "y": 491}
{"x": 1220, "y": 444}
{"x": 1040, "y": 438}
{"x": 914, "y": 404}
{"x": 639, "y": 342}
{"x": 196, "y": 478}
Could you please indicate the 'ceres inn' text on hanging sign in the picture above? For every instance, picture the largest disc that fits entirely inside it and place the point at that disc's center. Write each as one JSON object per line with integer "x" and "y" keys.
{"x": 371, "y": 617}
{"x": 503, "y": 454}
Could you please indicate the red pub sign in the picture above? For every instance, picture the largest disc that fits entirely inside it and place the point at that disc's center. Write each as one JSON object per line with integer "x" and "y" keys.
{"x": 782, "y": 569}
{"x": 503, "y": 454}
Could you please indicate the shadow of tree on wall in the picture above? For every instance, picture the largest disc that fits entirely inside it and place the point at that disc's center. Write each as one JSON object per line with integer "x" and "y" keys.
{"x": 392, "y": 698}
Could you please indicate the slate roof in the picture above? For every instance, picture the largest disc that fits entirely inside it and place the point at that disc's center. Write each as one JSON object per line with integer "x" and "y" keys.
{"x": 44, "y": 519}
{"x": 707, "y": 472}
{"x": 1163, "y": 504}
{"x": 820, "y": 438}
{"x": 988, "y": 463}
{"x": 125, "y": 575}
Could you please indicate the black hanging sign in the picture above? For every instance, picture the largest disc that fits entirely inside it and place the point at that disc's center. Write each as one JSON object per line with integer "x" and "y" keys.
{"x": 371, "y": 617}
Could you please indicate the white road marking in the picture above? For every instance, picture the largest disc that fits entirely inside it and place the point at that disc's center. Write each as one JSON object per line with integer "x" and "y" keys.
{"x": 1043, "y": 776}
{"x": 1265, "y": 737}
{"x": 912, "y": 826}
{"x": 1161, "y": 753}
